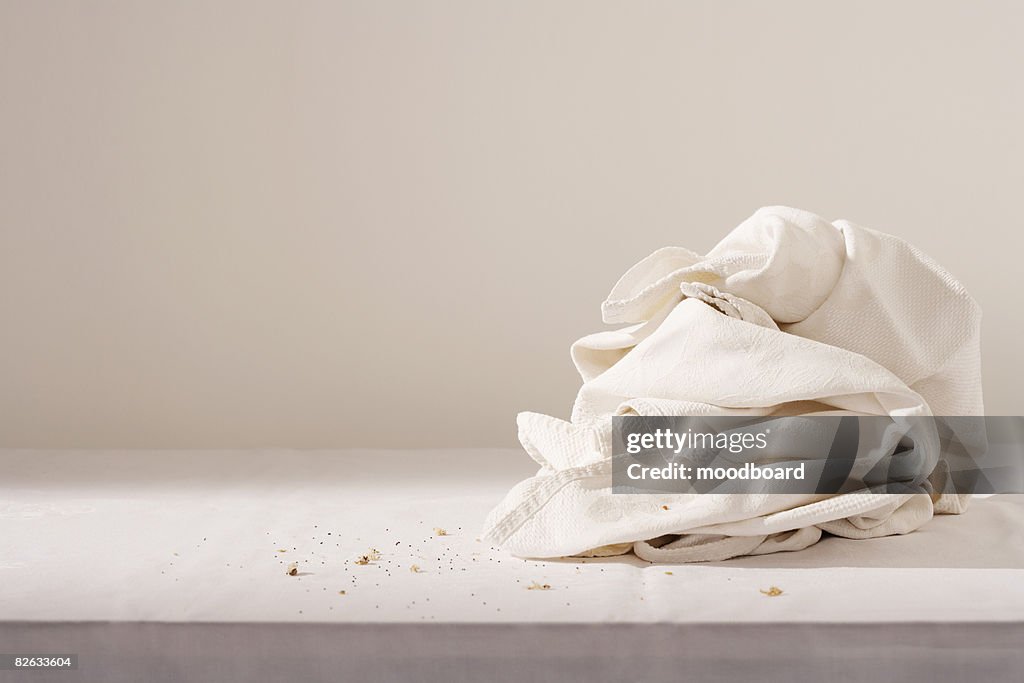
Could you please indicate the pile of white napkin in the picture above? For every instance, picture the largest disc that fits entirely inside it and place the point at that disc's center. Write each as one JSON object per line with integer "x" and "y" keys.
{"x": 788, "y": 315}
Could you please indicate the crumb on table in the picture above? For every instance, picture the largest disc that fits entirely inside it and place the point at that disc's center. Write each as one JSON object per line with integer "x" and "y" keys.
{"x": 372, "y": 556}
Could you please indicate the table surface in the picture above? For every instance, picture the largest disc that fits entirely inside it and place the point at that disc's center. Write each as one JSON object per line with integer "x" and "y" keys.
{"x": 207, "y": 536}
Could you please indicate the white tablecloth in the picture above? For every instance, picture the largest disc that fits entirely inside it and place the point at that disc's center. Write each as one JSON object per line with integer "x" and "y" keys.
{"x": 207, "y": 537}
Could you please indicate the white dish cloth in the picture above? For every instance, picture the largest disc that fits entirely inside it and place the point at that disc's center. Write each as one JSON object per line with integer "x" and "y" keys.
{"x": 788, "y": 315}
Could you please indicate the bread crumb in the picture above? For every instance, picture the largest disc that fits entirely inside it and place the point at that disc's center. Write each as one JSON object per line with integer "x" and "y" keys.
{"x": 293, "y": 569}
{"x": 772, "y": 592}
{"x": 342, "y": 593}
{"x": 664, "y": 507}
{"x": 669, "y": 573}
{"x": 539, "y": 586}
{"x": 415, "y": 569}
{"x": 369, "y": 557}
{"x": 281, "y": 550}
{"x": 438, "y": 531}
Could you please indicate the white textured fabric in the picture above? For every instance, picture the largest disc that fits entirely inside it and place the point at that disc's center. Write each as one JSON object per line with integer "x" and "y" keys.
{"x": 788, "y": 315}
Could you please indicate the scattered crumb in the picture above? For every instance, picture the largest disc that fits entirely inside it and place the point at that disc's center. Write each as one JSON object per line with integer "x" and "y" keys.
{"x": 369, "y": 557}
{"x": 772, "y": 592}
{"x": 539, "y": 586}
{"x": 342, "y": 593}
{"x": 415, "y": 569}
{"x": 669, "y": 573}
{"x": 281, "y": 550}
{"x": 664, "y": 507}
{"x": 293, "y": 569}
{"x": 438, "y": 531}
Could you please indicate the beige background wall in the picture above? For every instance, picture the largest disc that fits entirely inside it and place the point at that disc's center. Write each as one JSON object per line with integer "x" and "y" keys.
{"x": 382, "y": 223}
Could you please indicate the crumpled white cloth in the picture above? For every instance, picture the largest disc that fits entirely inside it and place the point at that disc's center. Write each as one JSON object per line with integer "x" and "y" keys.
{"x": 788, "y": 315}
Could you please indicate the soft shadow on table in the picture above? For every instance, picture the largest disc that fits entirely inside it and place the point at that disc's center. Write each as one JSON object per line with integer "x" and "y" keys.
{"x": 137, "y": 470}
{"x": 990, "y": 535}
